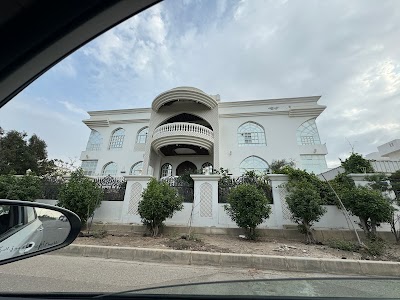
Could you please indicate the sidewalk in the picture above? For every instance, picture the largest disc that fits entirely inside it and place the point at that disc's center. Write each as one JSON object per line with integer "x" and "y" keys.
{"x": 265, "y": 262}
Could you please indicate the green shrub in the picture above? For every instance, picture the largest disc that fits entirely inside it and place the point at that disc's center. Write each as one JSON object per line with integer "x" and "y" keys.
{"x": 26, "y": 187}
{"x": 80, "y": 195}
{"x": 355, "y": 163}
{"x": 99, "y": 234}
{"x": 344, "y": 245}
{"x": 375, "y": 247}
{"x": 295, "y": 175}
{"x": 160, "y": 201}
{"x": 305, "y": 204}
{"x": 248, "y": 207}
{"x": 369, "y": 205}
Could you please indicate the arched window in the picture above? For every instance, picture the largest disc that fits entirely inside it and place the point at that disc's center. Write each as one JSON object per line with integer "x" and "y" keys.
{"x": 307, "y": 133}
{"x": 254, "y": 163}
{"x": 136, "y": 169}
{"x": 166, "y": 170}
{"x": 110, "y": 169}
{"x": 117, "y": 139}
{"x": 89, "y": 167}
{"x": 95, "y": 141}
{"x": 142, "y": 135}
{"x": 251, "y": 134}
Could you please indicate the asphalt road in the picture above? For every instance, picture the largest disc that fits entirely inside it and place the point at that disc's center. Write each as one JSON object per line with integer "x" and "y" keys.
{"x": 53, "y": 273}
{"x": 54, "y": 232}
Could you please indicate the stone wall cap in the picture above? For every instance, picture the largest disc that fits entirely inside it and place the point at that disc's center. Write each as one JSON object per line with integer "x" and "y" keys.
{"x": 278, "y": 177}
{"x": 200, "y": 177}
{"x": 137, "y": 177}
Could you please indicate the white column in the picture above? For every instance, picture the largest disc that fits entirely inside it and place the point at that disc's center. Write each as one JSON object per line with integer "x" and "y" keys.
{"x": 205, "y": 204}
{"x": 135, "y": 184}
{"x": 277, "y": 180}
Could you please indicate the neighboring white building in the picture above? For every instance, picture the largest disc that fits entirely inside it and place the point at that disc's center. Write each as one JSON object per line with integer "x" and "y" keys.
{"x": 186, "y": 128}
{"x": 387, "y": 151}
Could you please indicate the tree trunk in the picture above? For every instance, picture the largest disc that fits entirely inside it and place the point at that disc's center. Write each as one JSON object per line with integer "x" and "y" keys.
{"x": 154, "y": 228}
{"x": 364, "y": 226}
{"x": 393, "y": 229}
{"x": 251, "y": 233}
{"x": 310, "y": 239}
{"x": 373, "y": 229}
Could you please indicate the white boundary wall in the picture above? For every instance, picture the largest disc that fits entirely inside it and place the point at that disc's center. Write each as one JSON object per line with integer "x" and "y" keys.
{"x": 205, "y": 211}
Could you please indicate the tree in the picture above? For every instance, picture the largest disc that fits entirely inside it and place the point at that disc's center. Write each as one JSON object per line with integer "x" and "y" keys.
{"x": 389, "y": 186}
{"x": 81, "y": 195}
{"x": 19, "y": 154}
{"x": 27, "y": 188}
{"x": 394, "y": 179}
{"x": 248, "y": 207}
{"x": 395, "y": 183}
{"x": 369, "y": 205}
{"x": 160, "y": 201}
{"x": 355, "y": 163}
{"x": 277, "y": 165}
{"x": 305, "y": 204}
{"x": 295, "y": 175}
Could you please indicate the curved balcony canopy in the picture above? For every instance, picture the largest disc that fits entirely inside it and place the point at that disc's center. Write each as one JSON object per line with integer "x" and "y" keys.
{"x": 183, "y": 93}
{"x": 183, "y": 139}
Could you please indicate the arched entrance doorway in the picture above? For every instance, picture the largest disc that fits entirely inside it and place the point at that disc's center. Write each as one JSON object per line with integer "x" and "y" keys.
{"x": 185, "y": 168}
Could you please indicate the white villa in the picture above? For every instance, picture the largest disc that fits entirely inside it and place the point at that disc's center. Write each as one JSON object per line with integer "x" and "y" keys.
{"x": 387, "y": 151}
{"x": 187, "y": 129}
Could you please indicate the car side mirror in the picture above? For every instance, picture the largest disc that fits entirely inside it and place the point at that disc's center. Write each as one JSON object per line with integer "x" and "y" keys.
{"x": 29, "y": 228}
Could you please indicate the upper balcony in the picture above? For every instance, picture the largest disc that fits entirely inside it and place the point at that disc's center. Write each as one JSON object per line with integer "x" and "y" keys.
{"x": 183, "y": 138}
{"x": 183, "y": 93}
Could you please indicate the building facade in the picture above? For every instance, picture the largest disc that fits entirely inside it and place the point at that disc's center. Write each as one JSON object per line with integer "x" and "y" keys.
{"x": 387, "y": 151}
{"x": 186, "y": 129}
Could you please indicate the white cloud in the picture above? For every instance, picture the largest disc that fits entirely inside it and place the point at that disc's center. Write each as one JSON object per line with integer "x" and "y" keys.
{"x": 346, "y": 51}
{"x": 353, "y": 112}
{"x": 63, "y": 132}
{"x": 73, "y": 108}
{"x": 65, "y": 68}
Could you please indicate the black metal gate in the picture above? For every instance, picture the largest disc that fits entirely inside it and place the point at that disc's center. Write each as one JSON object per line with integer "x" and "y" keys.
{"x": 113, "y": 187}
{"x": 184, "y": 187}
{"x": 227, "y": 183}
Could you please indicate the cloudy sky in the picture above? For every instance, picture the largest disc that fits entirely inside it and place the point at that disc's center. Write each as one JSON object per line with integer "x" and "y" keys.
{"x": 346, "y": 51}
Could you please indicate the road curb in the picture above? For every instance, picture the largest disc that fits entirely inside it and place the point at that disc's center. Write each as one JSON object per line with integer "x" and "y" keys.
{"x": 263, "y": 262}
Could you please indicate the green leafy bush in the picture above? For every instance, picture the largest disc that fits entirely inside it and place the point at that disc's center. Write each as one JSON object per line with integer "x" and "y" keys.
{"x": 355, "y": 163}
{"x": 160, "y": 201}
{"x": 305, "y": 204}
{"x": 375, "y": 247}
{"x": 277, "y": 165}
{"x": 226, "y": 183}
{"x": 26, "y": 187}
{"x": 369, "y": 205}
{"x": 326, "y": 194}
{"x": 344, "y": 245}
{"x": 248, "y": 207}
{"x": 80, "y": 195}
{"x": 395, "y": 183}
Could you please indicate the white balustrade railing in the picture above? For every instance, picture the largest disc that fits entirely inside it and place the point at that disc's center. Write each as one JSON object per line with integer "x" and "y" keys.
{"x": 184, "y": 127}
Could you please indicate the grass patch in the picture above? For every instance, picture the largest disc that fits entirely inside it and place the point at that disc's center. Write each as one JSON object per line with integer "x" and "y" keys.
{"x": 375, "y": 248}
{"x": 344, "y": 245}
{"x": 185, "y": 244}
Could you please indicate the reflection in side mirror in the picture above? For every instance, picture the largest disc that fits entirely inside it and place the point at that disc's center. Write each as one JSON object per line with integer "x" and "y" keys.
{"x": 28, "y": 229}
